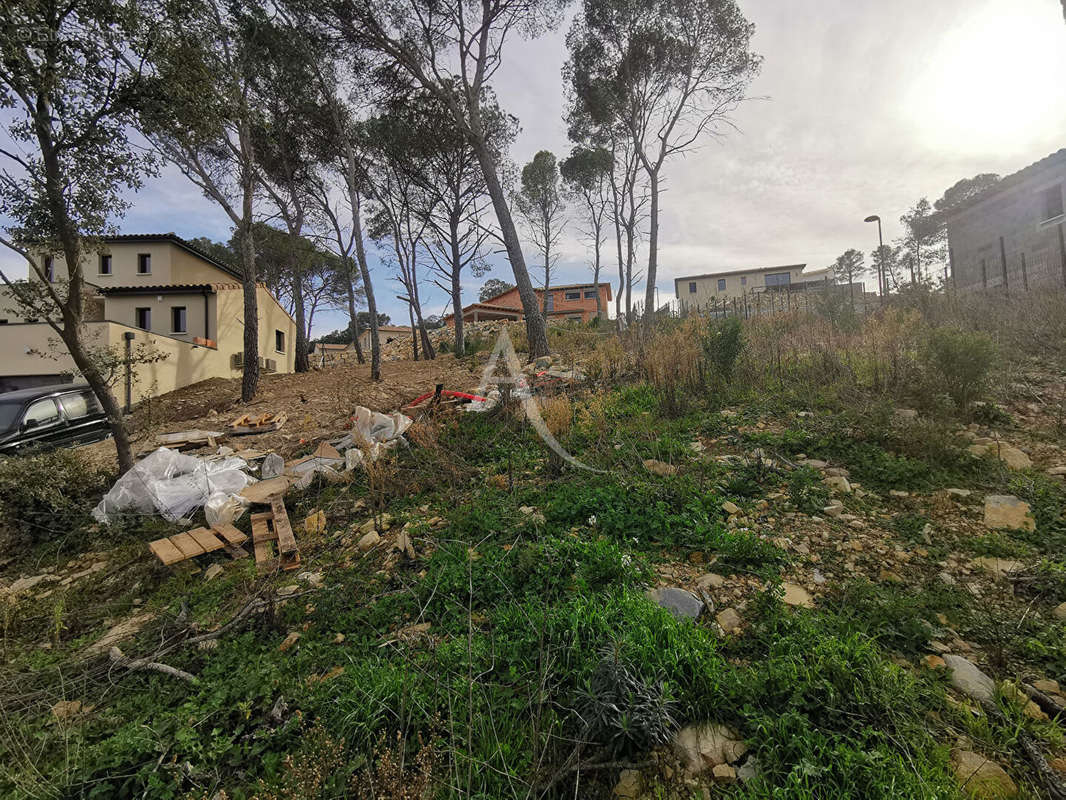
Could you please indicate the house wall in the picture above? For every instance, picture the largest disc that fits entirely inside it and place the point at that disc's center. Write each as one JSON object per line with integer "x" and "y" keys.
{"x": 737, "y": 284}
{"x": 583, "y": 307}
{"x": 198, "y": 319}
{"x": 1017, "y": 215}
{"x": 170, "y": 264}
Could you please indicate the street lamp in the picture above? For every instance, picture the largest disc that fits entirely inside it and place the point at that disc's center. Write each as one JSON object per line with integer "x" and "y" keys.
{"x": 880, "y": 256}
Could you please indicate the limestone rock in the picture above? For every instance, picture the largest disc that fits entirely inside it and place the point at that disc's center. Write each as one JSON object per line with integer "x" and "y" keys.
{"x": 730, "y": 507}
{"x": 796, "y": 595}
{"x": 369, "y": 540}
{"x": 981, "y": 778}
{"x": 1008, "y": 454}
{"x": 968, "y": 679}
{"x": 119, "y": 632}
{"x": 711, "y": 580}
{"x": 313, "y": 579}
{"x": 997, "y": 566}
{"x": 724, "y": 773}
{"x": 315, "y": 523}
{"x": 659, "y": 467}
{"x": 813, "y": 463}
{"x": 702, "y": 747}
{"x": 729, "y": 619}
{"x": 749, "y": 770}
{"x": 679, "y": 602}
{"x": 630, "y": 784}
{"x": 65, "y": 709}
{"x": 1060, "y": 611}
{"x": 838, "y": 483}
{"x": 1020, "y": 699}
{"x": 288, "y": 591}
{"x": 1005, "y": 511}
{"x": 933, "y": 662}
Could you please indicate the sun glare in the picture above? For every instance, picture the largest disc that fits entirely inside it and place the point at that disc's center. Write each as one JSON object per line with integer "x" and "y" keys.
{"x": 995, "y": 81}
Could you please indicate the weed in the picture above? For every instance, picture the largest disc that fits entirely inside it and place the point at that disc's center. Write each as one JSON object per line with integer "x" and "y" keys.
{"x": 958, "y": 363}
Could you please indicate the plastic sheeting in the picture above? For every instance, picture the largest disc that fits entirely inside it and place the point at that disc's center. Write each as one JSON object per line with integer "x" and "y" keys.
{"x": 374, "y": 432}
{"x": 171, "y": 484}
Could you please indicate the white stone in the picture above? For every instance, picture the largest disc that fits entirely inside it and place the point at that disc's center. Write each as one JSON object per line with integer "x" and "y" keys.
{"x": 1007, "y": 512}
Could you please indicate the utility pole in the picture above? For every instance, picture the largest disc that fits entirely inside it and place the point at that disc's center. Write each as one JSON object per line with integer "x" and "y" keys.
{"x": 880, "y": 256}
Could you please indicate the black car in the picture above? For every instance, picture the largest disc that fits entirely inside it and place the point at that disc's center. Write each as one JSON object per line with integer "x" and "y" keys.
{"x": 46, "y": 417}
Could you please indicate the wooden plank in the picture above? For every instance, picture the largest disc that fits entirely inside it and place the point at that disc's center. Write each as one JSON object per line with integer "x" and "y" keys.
{"x": 241, "y": 420}
{"x": 290, "y": 561}
{"x": 230, "y": 534}
{"x": 166, "y": 552}
{"x": 261, "y": 530}
{"x": 261, "y": 536}
{"x": 187, "y": 545}
{"x": 262, "y": 491}
{"x": 206, "y": 539}
{"x": 286, "y": 539}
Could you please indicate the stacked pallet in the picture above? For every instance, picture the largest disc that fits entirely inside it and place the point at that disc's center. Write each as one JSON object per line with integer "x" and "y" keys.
{"x": 190, "y": 544}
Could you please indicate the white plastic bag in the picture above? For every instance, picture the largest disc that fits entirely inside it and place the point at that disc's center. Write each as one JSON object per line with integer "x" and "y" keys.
{"x": 172, "y": 484}
{"x": 223, "y": 508}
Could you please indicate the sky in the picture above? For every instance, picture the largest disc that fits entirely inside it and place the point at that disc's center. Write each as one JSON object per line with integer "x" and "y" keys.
{"x": 860, "y": 108}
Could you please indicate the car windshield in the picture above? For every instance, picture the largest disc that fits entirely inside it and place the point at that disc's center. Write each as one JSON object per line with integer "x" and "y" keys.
{"x": 9, "y": 414}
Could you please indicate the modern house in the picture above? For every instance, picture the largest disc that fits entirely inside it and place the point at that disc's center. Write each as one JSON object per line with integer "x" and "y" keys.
{"x": 1010, "y": 237}
{"x": 576, "y": 301}
{"x": 154, "y": 290}
{"x": 704, "y": 291}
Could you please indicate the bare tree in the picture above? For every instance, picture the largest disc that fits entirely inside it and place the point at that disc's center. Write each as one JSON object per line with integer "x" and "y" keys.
{"x": 667, "y": 71}
{"x": 588, "y": 174}
{"x": 204, "y": 124}
{"x": 344, "y": 285}
{"x": 540, "y": 202}
{"x": 453, "y": 49}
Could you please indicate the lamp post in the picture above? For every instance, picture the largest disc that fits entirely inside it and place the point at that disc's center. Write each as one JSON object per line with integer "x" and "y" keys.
{"x": 880, "y": 256}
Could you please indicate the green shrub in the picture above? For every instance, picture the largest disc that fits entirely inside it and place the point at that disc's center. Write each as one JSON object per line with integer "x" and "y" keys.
{"x": 44, "y": 497}
{"x": 807, "y": 491}
{"x": 723, "y": 344}
{"x": 958, "y": 363}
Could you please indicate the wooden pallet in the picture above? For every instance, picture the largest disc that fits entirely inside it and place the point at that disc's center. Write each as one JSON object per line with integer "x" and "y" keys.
{"x": 190, "y": 544}
{"x": 272, "y": 529}
{"x": 261, "y": 423}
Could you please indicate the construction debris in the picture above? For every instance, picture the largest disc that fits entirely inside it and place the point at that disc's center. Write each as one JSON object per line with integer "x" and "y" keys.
{"x": 171, "y": 484}
{"x": 274, "y": 527}
{"x": 184, "y": 439}
{"x": 247, "y": 424}
{"x": 189, "y": 544}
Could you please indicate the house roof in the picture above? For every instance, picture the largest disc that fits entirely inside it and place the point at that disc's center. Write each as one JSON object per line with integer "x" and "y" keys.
{"x": 1012, "y": 180}
{"x": 748, "y": 271}
{"x": 163, "y": 288}
{"x": 393, "y": 328}
{"x": 173, "y": 238}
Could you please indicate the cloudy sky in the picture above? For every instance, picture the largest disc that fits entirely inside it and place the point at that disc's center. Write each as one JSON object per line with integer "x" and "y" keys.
{"x": 861, "y": 108}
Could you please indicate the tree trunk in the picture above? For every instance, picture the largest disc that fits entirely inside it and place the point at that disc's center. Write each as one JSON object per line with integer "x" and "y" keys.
{"x": 414, "y": 336}
{"x": 596, "y": 229}
{"x": 353, "y": 321}
{"x": 536, "y": 330}
{"x": 457, "y": 289}
{"x": 301, "y": 361}
{"x": 653, "y": 248}
{"x": 364, "y": 271}
{"x": 250, "y": 378}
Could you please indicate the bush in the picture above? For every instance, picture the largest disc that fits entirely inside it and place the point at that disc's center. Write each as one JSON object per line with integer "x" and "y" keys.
{"x": 958, "y": 363}
{"x": 46, "y": 496}
{"x": 723, "y": 344}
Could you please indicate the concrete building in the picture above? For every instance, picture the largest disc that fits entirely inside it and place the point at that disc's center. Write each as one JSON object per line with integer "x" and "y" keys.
{"x": 154, "y": 290}
{"x": 1010, "y": 237}
{"x": 705, "y": 291}
{"x": 576, "y": 301}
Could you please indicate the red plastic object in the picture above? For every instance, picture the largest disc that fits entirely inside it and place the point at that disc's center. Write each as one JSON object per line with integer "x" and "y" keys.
{"x": 444, "y": 393}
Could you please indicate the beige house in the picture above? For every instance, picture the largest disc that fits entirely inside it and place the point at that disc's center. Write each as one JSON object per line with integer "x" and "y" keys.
{"x": 714, "y": 288}
{"x": 156, "y": 292}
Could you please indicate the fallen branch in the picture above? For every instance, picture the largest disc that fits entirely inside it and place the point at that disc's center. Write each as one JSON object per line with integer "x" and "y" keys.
{"x": 1056, "y": 790}
{"x": 1049, "y": 705}
{"x": 134, "y": 664}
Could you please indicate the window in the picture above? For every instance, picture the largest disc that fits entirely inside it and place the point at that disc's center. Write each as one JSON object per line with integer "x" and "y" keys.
{"x": 1053, "y": 202}
{"x": 144, "y": 263}
{"x": 177, "y": 320}
{"x": 743, "y": 280}
{"x": 3, "y": 322}
{"x": 721, "y": 284}
{"x": 574, "y": 318}
{"x": 279, "y": 341}
{"x": 79, "y": 404}
{"x": 573, "y": 295}
{"x": 590, "y": 294}
{"x": 43, "y": 412}
{"x": 549, "y": 303}
{"x": 143, "y": 318}
{"x": 692, "y": 287}
{"x": 105, "y": 263}
{"x": 778, "y": 279}
{"x": 49, "y": 269}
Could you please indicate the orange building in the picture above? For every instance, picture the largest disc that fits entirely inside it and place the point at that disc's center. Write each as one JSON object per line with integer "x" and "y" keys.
{"x": 576, "y": 301}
